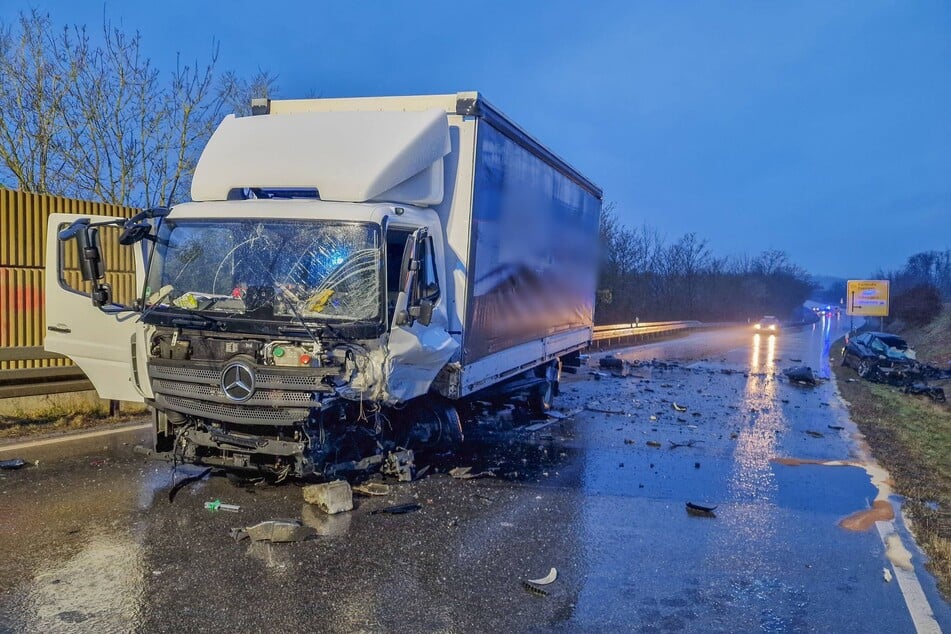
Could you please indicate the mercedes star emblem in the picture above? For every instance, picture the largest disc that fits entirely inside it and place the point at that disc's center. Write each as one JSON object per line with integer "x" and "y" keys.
{"x": 237, "y": 381}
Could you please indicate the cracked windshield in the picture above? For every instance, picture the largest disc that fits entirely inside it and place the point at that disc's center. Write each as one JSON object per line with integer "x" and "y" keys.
{"x": 312, "y": 270}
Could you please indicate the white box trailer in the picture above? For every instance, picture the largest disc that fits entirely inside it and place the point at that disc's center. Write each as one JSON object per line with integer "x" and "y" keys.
{"x": 370, "y": 260}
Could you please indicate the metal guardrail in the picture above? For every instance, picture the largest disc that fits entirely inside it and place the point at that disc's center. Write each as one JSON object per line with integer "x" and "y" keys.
{"x": 618, "y": 333}
{"x": 60, "y": 379}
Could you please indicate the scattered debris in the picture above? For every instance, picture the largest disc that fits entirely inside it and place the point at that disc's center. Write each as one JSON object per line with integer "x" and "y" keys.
{"x": 815, "y": 434}
{"x": 887, "y": 575}
{"x": 598, "y": 375}
{"x": 218, "y": 505}
{"x": 465, "y": 473}
{"x": 13, "y": 464}
{"x": 330, "y": 497}
{"x": 836, "y": 427}
{"x": 185, "y": 482}
{"x": 400, "y": 464}
{"x": 610, "y": 362}
{"x": 539, "y": 426}
{"x": 679, "y": 408}
{"x": 802, "y": 375}
{"x": 372, "y": 489}
{"x": 629, "y": 441}
{"x": 399, "y": 509}
{"x": 546, "y": 580}
{"x": 323, "y": 524}
{"x": 936, "y": 394}
{"x": 700, "y": 510}
{"x": 534, "y": 589}
{"x": 274, "y": 531}
{"x": 690, "y": 443}
{"x": 652, "y": 443}
{"x": 557, "y": 415}
{"x": 596, "y": 406}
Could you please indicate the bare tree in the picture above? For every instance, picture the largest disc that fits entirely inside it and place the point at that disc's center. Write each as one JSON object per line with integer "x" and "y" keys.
{"x": 101, "y": 121}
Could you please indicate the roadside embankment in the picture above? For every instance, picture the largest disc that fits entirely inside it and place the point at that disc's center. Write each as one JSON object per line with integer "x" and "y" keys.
{"x": 911, "y": 437}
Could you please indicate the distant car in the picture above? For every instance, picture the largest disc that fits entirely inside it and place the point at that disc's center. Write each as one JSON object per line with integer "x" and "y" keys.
{"x": 767, "y": 324}
{"x": 875, "y": 351}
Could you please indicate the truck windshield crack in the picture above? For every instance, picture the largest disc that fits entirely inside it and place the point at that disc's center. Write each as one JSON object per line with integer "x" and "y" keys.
{"x": 272, "y": 270}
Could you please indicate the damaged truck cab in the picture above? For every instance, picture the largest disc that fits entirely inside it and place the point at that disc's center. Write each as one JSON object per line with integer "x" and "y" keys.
{"x": 348, "y": 273}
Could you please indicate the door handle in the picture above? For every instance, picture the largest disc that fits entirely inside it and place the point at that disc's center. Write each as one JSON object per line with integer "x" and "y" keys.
{"x": 63, "y": 329}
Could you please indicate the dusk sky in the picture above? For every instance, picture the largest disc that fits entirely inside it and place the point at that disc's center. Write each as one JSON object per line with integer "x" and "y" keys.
{"x": 820, "y": 128}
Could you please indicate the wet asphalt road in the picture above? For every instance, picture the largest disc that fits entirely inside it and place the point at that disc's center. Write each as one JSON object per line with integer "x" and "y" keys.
{"x": 90, "y": 541}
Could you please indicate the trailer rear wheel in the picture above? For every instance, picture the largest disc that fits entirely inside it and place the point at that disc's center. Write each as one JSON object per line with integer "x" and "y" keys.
{"x": 542, "y": 397}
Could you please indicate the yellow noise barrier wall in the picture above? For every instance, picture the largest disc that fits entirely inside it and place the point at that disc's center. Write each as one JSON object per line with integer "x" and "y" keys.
{"x": 23, "y": 257}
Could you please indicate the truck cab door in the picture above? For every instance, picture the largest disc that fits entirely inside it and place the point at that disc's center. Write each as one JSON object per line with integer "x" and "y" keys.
{"x": 109, "y": 347}
{"x": 419, "y": 344}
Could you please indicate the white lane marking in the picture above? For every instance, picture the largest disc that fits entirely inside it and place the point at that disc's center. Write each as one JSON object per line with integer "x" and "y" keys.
{"x": 73, "y": 437}
{"x": 921, "y": 613}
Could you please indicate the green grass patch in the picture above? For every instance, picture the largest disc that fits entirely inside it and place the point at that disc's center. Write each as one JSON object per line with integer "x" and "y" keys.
{"x": 62, "y": 415}
{"x": 911, "y": 437}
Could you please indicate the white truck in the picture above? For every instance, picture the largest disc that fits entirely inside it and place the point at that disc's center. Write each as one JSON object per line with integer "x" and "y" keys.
{"x": 349, "y": 272}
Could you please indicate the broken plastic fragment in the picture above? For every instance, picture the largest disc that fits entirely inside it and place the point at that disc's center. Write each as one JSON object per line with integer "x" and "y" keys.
{"x": 700, "y": 510}
{"x": 14, "y": 463}
{"x": 679, "y": 408}
{"x": 465, "y": 473}
{"x": 887, "y": 575}
{"x": 547, "y": 579}
{"x": 540, "y": 426}
{"x": 652, "y": 443}
{"x": 801, "y": 374}
{"x": 399, "y": 509}
{"x": 275, "y": 531}
{"x": 372, "y": 489}
{"x": 534, "y": 589}
{"x": 596, "y": 406}
{"x": 401, "y": 465}
{"x": 218, "y": 505}
{"x": 330, "y": 497}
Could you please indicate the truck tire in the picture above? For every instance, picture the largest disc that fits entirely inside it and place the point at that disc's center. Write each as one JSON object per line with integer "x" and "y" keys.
{"x": 542, "y": 397}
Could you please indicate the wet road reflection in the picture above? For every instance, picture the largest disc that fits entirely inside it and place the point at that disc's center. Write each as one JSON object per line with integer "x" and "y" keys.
{"x": 93, "y": 544}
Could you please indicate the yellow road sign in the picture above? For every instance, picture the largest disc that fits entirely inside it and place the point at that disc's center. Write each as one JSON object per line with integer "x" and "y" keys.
{"x": 868, "y": 298}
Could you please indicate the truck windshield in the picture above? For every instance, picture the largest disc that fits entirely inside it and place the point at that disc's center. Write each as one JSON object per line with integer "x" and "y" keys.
{"x": 271, "y": 270}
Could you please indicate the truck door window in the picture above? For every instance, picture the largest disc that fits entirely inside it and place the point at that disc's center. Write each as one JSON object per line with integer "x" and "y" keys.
{"x": 395, "y": 243}
{"x": 427, "y": 285}
{"x": 119, "y": 263}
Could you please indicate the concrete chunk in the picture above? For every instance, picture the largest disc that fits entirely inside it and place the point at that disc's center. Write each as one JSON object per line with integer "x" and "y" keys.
{"x": 330, "y": 497}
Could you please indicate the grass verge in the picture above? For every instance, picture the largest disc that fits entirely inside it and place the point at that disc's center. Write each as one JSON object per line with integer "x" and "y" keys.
{"x": 911, "y": 437}
{"x": 63, "y": 416}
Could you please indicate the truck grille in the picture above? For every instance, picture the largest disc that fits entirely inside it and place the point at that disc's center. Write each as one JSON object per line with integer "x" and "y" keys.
{"x": 238, "y": 414}
{"x": 280, "y": 398}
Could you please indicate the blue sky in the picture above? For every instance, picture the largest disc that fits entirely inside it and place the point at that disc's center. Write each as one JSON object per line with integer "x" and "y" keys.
{"x": 821, "y": 128}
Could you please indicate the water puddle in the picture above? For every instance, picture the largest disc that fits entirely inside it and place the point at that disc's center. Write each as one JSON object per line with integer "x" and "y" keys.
{"x": 881, "y": 508}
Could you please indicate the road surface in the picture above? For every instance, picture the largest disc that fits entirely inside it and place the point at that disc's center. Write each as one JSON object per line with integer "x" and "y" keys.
{"x": 91, "y": 541}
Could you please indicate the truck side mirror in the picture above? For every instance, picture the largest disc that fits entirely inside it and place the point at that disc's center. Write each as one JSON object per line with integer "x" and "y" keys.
{"x": 136, "y": 233}
{"x": 91, "y": 266}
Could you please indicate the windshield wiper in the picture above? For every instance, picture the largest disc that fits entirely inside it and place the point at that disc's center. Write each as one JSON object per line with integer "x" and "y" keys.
{"x": 197, "y": 321}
